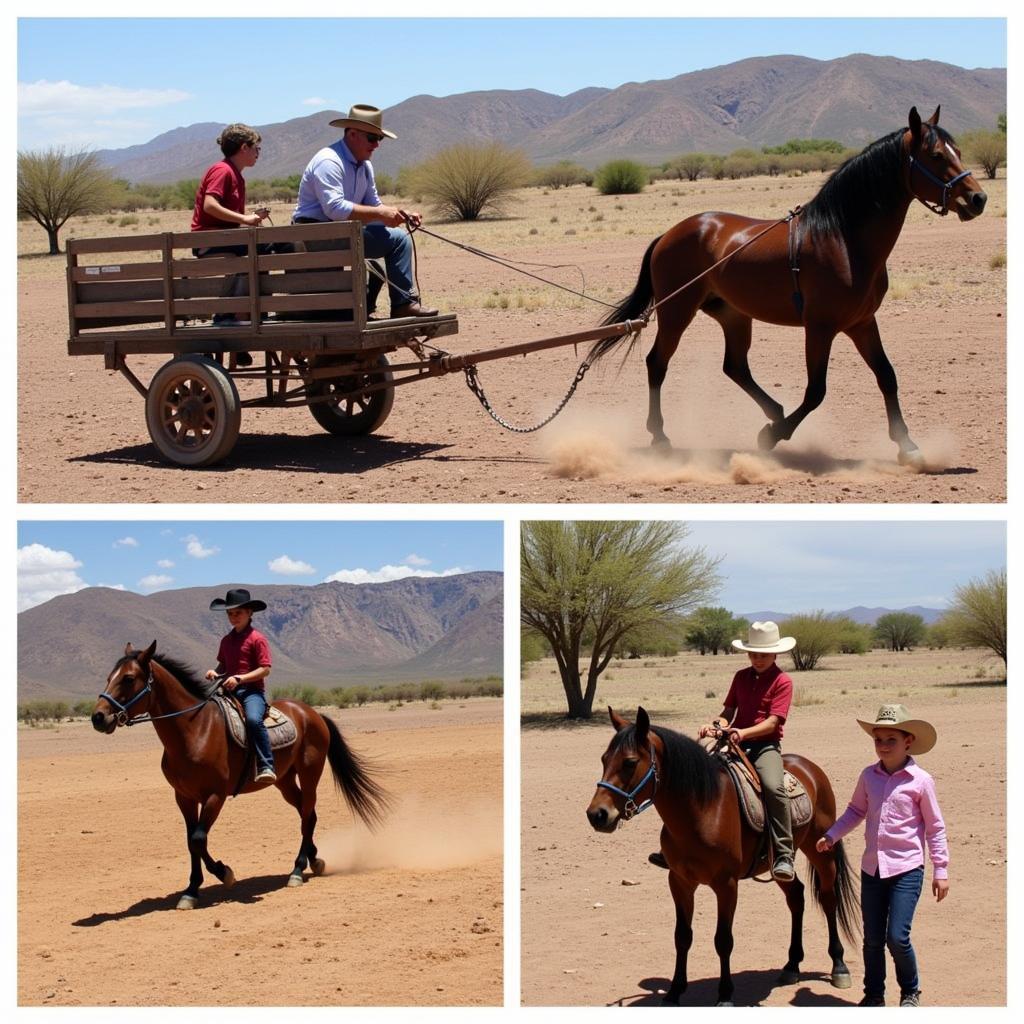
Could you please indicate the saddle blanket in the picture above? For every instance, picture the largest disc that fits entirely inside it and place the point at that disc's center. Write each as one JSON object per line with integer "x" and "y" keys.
{"x": 280, "y": 728}
{"x": 751, "y": 805}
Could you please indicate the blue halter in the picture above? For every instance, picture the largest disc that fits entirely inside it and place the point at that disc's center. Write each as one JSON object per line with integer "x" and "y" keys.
{"x": 946, "y": 186}
{"x": 122, "y": 709}
{"x": 631, "y": 807}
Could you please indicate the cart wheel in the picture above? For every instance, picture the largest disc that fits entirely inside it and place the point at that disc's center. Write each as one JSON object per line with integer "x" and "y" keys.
{"x": 361, "y": 414}
{"x": 192, "y": 411}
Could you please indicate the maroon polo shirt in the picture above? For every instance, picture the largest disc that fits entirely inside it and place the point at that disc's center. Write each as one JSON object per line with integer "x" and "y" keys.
{"x": 225, "y": 183}
{"x": 242, "y": 652}
{"x": 755, "y": 697}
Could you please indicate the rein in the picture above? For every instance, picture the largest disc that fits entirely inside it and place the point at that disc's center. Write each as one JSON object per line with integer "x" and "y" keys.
{"x": 631, "y": 807}
{"x": 122, "y": 709}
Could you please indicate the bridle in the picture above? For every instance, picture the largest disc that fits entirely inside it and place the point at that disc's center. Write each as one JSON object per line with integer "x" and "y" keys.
{"x": 946, "y": 186}
{"x": 631, "y": 807}
{"x": 121, "y": 716}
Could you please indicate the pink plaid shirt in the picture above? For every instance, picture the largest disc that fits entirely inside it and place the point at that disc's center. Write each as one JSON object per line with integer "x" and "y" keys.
{"x": 901, "y": 813}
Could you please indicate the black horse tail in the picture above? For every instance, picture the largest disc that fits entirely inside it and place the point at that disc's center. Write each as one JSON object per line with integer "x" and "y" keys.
{"x": 846, "y": 896}
{"x": 634, "y": 306}
{"x": 365, "y": 796}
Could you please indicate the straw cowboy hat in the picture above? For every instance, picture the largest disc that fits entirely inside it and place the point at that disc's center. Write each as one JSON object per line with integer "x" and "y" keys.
{"x": 370, "y": 119}
{"x": 763, "y": 638}
{"x": 896, "y": 716}
{"x": 237, "y": 599}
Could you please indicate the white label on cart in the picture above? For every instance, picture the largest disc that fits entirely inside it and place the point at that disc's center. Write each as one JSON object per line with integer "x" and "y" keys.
{"x": 92, "y": 270}
{"x": 111, "y": 270}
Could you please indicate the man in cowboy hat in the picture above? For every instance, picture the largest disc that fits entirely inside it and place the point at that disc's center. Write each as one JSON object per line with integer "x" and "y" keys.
{"x": 756, "y": 708}
{"x": 338, "y": 184}
{"x": 244, "y": 660}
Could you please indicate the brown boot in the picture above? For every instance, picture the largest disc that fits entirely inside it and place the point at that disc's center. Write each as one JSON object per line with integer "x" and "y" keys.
{"x": 412, "y": 308}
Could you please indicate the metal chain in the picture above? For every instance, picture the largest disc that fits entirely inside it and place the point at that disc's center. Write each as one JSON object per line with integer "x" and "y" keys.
{"x": 473, "y": 382}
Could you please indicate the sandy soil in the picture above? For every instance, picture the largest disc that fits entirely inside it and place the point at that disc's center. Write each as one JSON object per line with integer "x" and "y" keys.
{"x": 412, "y": 915}
{"x": 597, "y": 919}
{"x": 82, "y": 435}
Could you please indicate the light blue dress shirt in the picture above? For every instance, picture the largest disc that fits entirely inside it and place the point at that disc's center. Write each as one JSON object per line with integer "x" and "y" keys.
{"x": 333, "y": 182}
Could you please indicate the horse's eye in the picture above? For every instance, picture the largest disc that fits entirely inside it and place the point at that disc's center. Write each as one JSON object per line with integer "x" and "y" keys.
{"x": 630, "y": 763}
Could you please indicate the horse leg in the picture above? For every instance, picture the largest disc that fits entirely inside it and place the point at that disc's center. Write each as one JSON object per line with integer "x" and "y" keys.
{"x": 726, "y": 894}
{"x": 304, "y": 801}
{"x": 737, "y": 330}
{"x": 817, "y": 347}
{"x": 869, "y": 344}
{"x": 682, "y": 896}
{"x": 795, "y": 901}
{"x": 198, "y": 823}
{"x": 672, "y": 321}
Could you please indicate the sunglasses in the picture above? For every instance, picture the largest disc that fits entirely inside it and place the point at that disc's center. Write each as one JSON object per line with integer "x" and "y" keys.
{"x": 371, "y": 137}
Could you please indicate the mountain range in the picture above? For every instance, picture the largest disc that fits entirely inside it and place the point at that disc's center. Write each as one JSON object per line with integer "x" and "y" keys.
{"x": 331, "y": 634}
{"x": 865, "y": 616}
{"x": 749, "y": 103}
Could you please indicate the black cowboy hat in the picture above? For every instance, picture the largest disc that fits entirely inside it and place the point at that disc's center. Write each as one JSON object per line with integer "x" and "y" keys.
{"x": 236, "y": 599}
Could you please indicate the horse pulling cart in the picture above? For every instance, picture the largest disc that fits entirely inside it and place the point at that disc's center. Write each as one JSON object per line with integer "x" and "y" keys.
{"x": 303, "y": 314}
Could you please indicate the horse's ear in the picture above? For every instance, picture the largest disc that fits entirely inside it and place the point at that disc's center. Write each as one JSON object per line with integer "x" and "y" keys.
{"x": 618, "y": 722}
{"x": 128, "y": 650}
{"x": 643, "y": 724}
{"x": 934, "y": 119}
{"x": 148, "y": 652}
{"x": 915, "y": 124}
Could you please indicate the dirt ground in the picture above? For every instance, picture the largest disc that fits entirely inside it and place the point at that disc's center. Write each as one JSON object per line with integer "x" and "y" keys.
{"x": 409, "y": 916}
{"x": 597, "y": 919}
{"x": 82, "y": 435}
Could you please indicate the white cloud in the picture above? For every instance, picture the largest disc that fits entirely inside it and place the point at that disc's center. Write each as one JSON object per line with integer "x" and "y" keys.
{"x": 286, "y": 566}
{"x": 194, "y": 546}
{"x": 416, "y": 560}
{"x": 165, "y": 563}
{"x": 386, "y": 573}
{"x": 126, "y": 542}
{"x": 38, "y": 99}
{"x": 315, "y": 101}
{"x": 44, "y": 573}
{"x": 112, "y": 586}
{"x": 154, "y": 581}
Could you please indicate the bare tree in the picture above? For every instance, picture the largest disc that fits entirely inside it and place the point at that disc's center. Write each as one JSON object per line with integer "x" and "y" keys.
{"x": 54, "y": 186}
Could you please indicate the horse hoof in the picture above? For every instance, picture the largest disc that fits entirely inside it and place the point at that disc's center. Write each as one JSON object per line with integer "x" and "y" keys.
{"x": 766, "y": 439}
{"x": 229, "y": 878}
{"x": 319, "y": 867}
{"x": 294, "y": 880}
{"x": 788, "y": 978}
{"x": 661, "y": 444}
{"x": 842, "y": 980}
{"x": 914, "y": 459}
{"x": 187, "y": 902}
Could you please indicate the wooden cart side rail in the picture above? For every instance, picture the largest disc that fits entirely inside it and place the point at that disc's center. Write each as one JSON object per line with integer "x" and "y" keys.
{"x": 300, "y": 283}
{"x": 205, "y": 305}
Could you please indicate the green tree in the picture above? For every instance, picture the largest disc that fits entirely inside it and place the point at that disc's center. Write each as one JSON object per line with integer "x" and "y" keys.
{"x": 604, "y": 581}
{"x": 621, "y": 177}
{"x": 689, "y": 165}
{"x": 900, "y": 631}
{"x": 1001, "y": 123}
{"x": 465, "y": 180}
{"x": 54, "y": 186}
{"x": 532, "y": 647}
{"x": 816, "y": 634}
{"x": 711, "y": 629}
{"x": 562, "y": 175}
{"x": 977, "y": 617}
{"x": 854, "y": 637}
{"x": 985, "y": 148}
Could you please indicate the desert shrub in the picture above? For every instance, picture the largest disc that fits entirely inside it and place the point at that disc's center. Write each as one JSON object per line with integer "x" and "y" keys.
{"x": 900, "y": 631}
{"x": 562, "y": 175}
{"x": 985, "y": 148}
{"x": 816, "y": 634}
{"x": 620, "y": 177}
{"x": 431, "y": 690}
{"x": 127, "y": 220}
{"x": 465, "y": 180}
{"x": 688, "y": 166}
{"x": 385, "y": 183}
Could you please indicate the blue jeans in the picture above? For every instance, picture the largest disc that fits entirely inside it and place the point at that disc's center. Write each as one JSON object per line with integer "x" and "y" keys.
{"x": 255, "y": 704}
{"x": 888, "y": 906}
{"x": 394, "y": 247}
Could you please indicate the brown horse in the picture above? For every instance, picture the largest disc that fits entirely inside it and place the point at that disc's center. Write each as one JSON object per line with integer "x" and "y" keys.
{"x": 204, "y": 767}
{"x": 822, "y": 269}
{"x": 705, "y": 841}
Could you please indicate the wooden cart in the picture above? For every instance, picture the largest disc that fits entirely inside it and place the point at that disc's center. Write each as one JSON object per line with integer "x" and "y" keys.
{"x": 306, "y": 325}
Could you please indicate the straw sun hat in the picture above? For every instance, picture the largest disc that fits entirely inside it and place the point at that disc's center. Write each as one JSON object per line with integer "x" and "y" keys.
{"x": 763, "y": 638}
{"x": 896, "y": 716}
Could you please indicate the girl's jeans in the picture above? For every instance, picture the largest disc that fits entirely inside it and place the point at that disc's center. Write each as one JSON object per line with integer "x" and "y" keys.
{"x": 888, "y": 906}
{"x": 255, "y": 704}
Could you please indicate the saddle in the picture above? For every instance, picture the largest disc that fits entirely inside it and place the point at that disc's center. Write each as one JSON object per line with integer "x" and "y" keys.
{"x": 748, "y": 791}
{"x": 280, "y": 728}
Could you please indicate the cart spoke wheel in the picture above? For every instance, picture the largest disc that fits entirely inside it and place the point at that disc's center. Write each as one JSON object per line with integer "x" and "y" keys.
{"x": 356, "y": 414}
{"x": 192, "y": 411}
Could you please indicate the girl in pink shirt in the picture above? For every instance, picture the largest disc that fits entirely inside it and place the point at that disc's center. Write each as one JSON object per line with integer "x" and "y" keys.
{"x": 895, "y": 798}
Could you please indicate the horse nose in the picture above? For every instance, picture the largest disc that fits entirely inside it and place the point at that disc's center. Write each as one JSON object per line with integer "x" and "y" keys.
{"x": 598, "y": 816}
{"x": 978, "y": 201}
{"x": 98, "y": 721}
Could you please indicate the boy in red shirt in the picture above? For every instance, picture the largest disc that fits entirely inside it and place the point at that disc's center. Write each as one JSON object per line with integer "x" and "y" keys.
{"x": 244, "y": 658}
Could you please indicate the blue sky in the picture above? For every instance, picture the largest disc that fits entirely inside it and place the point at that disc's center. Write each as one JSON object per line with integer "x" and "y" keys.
{"x": 797, "y": 567}
{"x": 144, "y": 557}
{"x": 110, "y": 83}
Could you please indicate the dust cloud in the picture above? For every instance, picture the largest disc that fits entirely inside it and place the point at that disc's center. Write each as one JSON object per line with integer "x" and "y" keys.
{"x": 417, "y": 837}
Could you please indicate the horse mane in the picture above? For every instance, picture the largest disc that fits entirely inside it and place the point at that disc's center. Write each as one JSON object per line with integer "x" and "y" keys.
{"x": 685, "y": 764}
{"x": 871, "y": 180}
{"x": 186, "y": 675}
